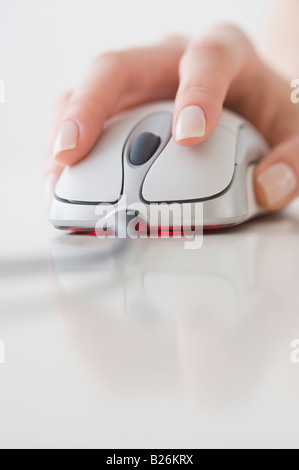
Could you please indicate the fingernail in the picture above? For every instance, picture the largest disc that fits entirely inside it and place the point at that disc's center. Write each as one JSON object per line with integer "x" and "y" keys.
{"x": 67, "y": 138}
{"x": 49, "y": 187}
{"x": 191, "y": 123}
{"x": 278, "y": 182}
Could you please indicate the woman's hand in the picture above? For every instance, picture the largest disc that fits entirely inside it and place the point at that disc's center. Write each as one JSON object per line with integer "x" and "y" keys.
{"x": 221, "y": 68}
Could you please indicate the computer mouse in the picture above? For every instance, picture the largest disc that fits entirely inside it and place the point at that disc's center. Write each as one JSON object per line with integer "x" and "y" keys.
{"x": 136, "y": 163}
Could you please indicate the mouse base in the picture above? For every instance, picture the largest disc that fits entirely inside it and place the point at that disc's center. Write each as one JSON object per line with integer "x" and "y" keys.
{"x": 147, "y": 232}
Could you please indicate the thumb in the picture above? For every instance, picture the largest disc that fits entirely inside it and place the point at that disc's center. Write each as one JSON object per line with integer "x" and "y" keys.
{"x": 276, "y": 178}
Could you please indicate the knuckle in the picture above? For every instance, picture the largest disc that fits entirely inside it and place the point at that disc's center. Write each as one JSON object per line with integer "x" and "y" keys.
{"x": 173, "y": 39}
{"x": 62, "y": 99}
{"x": 228, "y": 32}
{"x": 222, "y": 39}
{"x": 209, "y": 45}
{"x": 60, "y": 103}
{"x": 87, "y": 104}
{"x": 194, "y": 90}
{"x": 111, "y": 59}
{"x": 230, "y": 28}
{"x": 113, "y": 62}
{"x": 225, "y": 43}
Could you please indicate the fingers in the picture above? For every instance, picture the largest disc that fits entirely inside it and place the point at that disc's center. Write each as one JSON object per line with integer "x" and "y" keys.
{"x": 113, "y": 82}
{"x": 105, "y": 81}
{"x": 277, "y": 176}
{"x": 207, "y": 70}
{"x": 52, "y": 170}
{"x": 221, "y": 68}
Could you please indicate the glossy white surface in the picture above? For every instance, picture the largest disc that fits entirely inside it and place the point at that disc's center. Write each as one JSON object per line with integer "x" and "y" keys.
{"x": 145, "y": 344}
{"x": 137, "y": 345}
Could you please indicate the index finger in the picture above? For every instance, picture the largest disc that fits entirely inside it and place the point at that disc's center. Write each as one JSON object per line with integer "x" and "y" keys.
{"x": 115, "y": 81}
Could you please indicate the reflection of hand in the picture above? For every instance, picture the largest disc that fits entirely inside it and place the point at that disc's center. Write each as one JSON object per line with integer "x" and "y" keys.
{"x": 146, "y": 316}
{"x": 220, "y": 68}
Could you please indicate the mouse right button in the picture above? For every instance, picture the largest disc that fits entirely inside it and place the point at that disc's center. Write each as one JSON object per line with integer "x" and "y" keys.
{"x": 193, "y": 173}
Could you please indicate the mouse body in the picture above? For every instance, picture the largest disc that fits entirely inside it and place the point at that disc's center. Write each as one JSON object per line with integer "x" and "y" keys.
{"x": 136, "y": 161}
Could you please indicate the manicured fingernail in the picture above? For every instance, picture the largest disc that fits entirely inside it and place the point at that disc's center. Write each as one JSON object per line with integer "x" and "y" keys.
{"x": 49, "y": 187}
{"x": 277, "y": 182}
{"x": 67, "y": 138}
{"x": 191, "y": 123}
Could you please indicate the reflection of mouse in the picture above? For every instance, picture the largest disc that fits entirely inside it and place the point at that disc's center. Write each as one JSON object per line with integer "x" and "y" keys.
{"x": 136, "y": 161}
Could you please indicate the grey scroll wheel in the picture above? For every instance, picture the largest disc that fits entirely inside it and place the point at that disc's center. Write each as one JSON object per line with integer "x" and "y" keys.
{"x": 143, "y": 148}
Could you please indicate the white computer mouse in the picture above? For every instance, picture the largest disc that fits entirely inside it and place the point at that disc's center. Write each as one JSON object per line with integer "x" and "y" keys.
{"x": 136, "y": 161}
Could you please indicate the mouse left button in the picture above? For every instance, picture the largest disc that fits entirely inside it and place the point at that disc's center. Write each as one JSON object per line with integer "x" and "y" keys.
{"x": 97, "y": 178}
